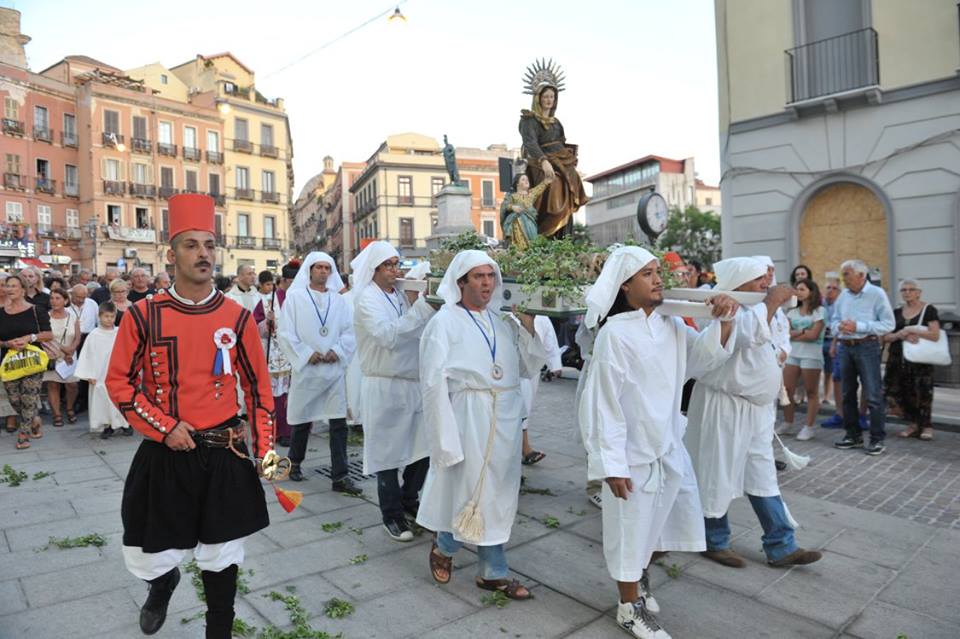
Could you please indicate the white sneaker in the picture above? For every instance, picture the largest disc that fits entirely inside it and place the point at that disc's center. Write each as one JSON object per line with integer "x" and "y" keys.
{"x": 783, "y": 428}
{"x": 652, "y": 604}
{"x": 639, "y": 622}
{"x": 806, "y": 433}
{"x": 596, "y": 499}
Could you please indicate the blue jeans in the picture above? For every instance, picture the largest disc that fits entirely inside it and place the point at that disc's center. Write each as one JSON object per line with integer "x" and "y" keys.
{"x": 778, "y": 539}
{"x": 860, "y": 364}
{"x": 492, "y": 559}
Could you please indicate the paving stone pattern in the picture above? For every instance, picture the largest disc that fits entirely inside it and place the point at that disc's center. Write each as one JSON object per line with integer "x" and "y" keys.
{"x": 887, "y": 527}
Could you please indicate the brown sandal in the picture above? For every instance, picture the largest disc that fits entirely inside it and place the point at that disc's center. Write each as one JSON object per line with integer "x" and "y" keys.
{"x": 440, "y": 562}
{"x": 35, "y": 431}
{"x": 23, "y": 441}
{"x": 509, "y": 588}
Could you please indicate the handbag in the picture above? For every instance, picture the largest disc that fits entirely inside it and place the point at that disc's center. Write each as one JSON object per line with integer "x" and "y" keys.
{"x": 50, "y": 348}
{"x": 926, "y": 351}
{"x": 29, "y": 360}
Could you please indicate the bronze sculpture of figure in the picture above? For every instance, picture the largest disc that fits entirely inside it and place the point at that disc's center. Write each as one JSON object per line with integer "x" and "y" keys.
{"x": 450, "y": 160}
{"x": 547, "y": 153}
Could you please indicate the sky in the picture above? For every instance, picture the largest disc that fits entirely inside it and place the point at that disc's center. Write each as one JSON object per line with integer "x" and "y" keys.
{"x": 641, "y": 75}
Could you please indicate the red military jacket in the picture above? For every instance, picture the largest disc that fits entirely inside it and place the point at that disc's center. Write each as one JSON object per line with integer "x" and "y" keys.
{"x": 162, "y": 369}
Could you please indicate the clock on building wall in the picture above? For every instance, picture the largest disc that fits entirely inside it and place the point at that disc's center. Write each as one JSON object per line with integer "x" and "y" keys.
{"x": 653, "y": 214}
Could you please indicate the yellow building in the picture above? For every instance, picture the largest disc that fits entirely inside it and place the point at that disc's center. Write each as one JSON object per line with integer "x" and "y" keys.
{"x": 839, "y": 131}
{"x": 395, "y": 194}
{"x": 258, "y": 159}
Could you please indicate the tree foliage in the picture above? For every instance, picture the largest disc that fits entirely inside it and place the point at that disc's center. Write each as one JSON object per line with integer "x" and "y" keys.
{"x": 694, "y": 234}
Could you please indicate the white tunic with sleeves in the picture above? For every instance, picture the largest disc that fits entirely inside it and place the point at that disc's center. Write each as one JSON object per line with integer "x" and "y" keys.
{"x": 317, "y": 391}
{"x": 388, "y": 332}
{"x": 632, "y": 427}
{"x": 730, "y": 434}
{"x": 458, "y": 401}
{"x": 545, "y": 331}
{"x": 92, "y": 364}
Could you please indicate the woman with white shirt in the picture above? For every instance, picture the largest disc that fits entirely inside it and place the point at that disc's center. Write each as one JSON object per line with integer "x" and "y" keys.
{"x": 806, "y": 356}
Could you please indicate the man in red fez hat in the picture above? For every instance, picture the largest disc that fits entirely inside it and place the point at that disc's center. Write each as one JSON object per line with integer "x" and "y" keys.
{"x": 173, "y": 374}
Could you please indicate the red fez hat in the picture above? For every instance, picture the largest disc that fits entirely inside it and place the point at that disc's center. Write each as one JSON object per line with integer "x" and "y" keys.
{"x": 673, "y": 259}
{"x": 190, "y": 212}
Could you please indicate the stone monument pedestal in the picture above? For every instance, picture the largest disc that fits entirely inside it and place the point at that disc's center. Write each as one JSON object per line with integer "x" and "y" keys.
{"x": 454, "y": 204}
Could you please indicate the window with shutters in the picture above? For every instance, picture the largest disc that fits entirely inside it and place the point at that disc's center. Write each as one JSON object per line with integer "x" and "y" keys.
{"x": 190, "y": 181}
{"x": 488, "y": 201}
{"x": 139, "y": 127}
{"x": 143, "y": 218}
{"x": 11, "y": 108}
{"x": 165, "y": 133}
{"x": 406, "y": 231}
{"x": 405, "y": 190}
{"x": 140, "y": 173}
{"x": 111, "y": 122}
{"x": 489, "y": 229}
{"x": 41, "y": 118}
{"x": 73, "y": 218}
{"x": 166, "y": 177}
{"x": 214, "y": 180}
{"x": 189, "y": 137}
{"x": 267, "y": 182}
{"x": 243, "y": 224}
{"x": 243, "y": 177}
{"x": 266, "y": 135}
{"x": 13, "y": 163}
{"x": 269, "y": 226}
{"x": 44, "y": 218}
{"x": 213, "y": 141}
{"x": 111, "y": 170}
{"x": 71, "y": 186}
{"x": 14, "y": 211}
{"x": 240, "y": 129}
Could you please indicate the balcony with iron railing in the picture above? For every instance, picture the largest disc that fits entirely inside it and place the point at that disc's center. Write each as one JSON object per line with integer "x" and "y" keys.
{"x": 56, "y": 232}
{"x": 192, "y": 154}
{"x": 271, "y": 197}
{"x": 244, "y": 194}
{"x": 271, "y": 244}
{"x": 168, "y": 192}
{"x": 141, "y": 145}
{"x": 219, "y": 199}
{"x": 165, "y": 148}
{"x": 143, "y": 190}
{"x": 844, "y": 64}
{"x": 14, "y": 181}
{"x": 68, "y": 138}
{"x": 214, "y": 157}
{"x": 12, "y": 127}
{"x": 109, "y": 138}
{"x": 113, "y": 187}
{"x": 245, "y": 241}
{"x": 243, "y": 146}
{"x": 269, "y": 151}
{"x": 43, "y": 184}
{"x": 43, "y": 134}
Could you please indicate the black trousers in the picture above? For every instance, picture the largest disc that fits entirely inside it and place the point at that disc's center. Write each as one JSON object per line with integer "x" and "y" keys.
{"x": 338, "y": 446}
{"x": 392, "y": 496}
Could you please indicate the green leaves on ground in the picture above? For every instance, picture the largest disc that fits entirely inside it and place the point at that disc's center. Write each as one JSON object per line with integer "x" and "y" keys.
{"x": 673, "y": 570}
{"x": 359, "y": 559}
{"x": 338, "y": 608}
{"x": 551, "y": 522}
{"x": 298, "y": 617}
{"x": 331, "y": 526}
{"x": 94, "y": 539}
{"x": 15, "y": 477}
{"x": 495, "y": 598}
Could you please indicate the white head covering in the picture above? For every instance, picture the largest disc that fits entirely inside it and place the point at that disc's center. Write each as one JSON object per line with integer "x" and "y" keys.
{"x": 364, "y": 264}
{"x": 767, "y": 261}
{"x": 620, "y": 266}
{"x": 462, "y": 263}
{"x": 302, "y": 280}
{"x": 737, "y": 271}
{"x": 420, "y": 271}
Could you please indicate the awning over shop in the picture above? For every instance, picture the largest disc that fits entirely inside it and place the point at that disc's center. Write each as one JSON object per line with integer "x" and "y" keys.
{"x": 23, "y": 262}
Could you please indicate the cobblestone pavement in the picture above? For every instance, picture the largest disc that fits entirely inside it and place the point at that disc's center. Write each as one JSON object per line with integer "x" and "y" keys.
{"x": 882, "y": 574}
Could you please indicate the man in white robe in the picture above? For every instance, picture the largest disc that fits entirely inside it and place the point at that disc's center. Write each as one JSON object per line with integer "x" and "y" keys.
{"x": 316, "y": 334}
{"x": 471, "y": 361}
{"x": 92, "y": 366}
{"x": 548, "y": 336}
{"x": 245, "y": 292}
{"x": 730, "y": 434}
{"x": 388, "y": 324}
{"x": 632, "y": 427}
{"x": 780, "y": 332}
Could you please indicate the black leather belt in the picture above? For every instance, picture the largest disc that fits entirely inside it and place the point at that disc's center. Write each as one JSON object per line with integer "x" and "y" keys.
{"x": 222, "y": 436}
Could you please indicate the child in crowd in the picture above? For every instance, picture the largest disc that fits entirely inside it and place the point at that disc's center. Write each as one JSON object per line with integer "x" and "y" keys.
{"x": 92, "y": 366}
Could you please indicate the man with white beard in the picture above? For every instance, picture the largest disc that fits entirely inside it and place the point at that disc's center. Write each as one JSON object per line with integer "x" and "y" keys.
{"x": 632, "y": 428}
{"x": 730, "y": 434}
{"x": 388, "y": 324}
{"x": 316, "y": 334}
{"x": 471, "y": 362}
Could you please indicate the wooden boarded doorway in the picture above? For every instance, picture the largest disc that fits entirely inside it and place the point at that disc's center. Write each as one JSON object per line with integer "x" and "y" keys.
{"x": 840, "y": 222}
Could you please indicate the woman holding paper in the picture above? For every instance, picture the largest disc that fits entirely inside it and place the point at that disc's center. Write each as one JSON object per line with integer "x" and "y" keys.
{"x": 909, "y": 385}
{"x": 66, "y": 340}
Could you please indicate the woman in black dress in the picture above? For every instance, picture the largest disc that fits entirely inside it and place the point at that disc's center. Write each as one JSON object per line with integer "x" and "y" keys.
{"x": 908, "y": 385}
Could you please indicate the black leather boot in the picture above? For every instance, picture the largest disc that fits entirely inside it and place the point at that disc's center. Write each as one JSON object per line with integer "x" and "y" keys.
{"x": 221, "y": 590}
{"x": 295, "y": 473}
{"x": 154, "y": 610}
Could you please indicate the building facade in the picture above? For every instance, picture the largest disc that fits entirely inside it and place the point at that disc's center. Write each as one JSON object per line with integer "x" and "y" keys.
{"x": 258, "y": 156}
{"x": 611, "y": 213}
{"x": 839, "y": 128}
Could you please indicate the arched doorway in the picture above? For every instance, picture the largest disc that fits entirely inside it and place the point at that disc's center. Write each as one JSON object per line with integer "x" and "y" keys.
{"x": 845, "y": 221}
